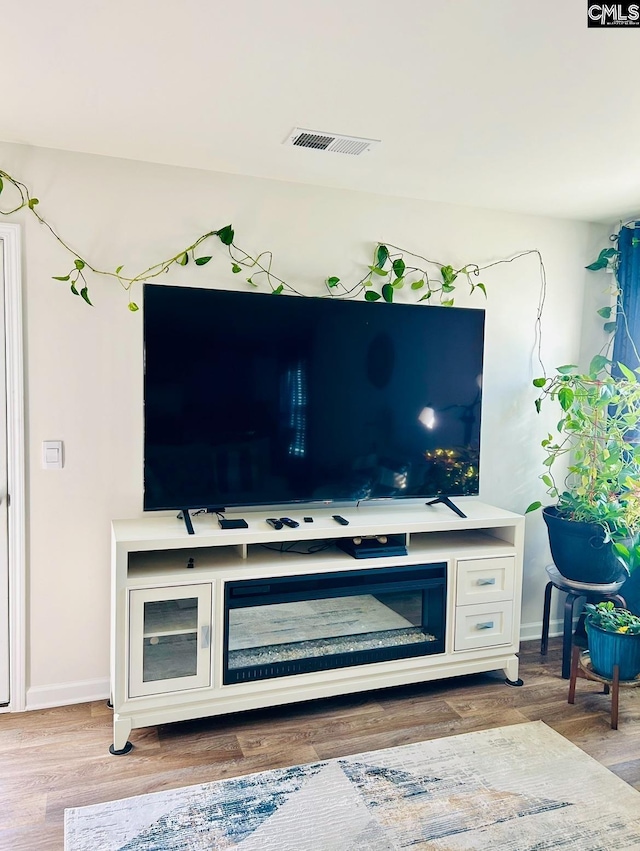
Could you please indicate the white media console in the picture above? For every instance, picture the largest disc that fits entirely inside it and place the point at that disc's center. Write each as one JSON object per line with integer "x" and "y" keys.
{"x": 222, "y": 621}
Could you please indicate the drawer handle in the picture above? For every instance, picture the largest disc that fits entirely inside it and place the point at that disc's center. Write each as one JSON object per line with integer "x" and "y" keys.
{"x": 485, "y": 625}
{"x": 205, "y": 637}
{"x": 487, "y": 581}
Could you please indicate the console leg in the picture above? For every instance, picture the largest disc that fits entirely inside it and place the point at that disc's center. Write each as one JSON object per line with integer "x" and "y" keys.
{"x": 511, "y": 673}
{"x": 121, "y": 731}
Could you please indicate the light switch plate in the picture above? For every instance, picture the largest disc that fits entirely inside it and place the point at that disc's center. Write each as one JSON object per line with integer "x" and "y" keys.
{"x": 52, "y": 454}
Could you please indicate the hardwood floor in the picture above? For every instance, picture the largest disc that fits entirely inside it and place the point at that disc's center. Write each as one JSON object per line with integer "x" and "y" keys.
{"x": 57, "y": 758}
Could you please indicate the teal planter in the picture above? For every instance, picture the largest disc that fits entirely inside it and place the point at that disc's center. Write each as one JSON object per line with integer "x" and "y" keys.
{"x": 607, "y": 649}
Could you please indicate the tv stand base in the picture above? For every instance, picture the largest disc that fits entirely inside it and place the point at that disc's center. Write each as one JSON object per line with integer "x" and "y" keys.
{"x": 444, "y": 500}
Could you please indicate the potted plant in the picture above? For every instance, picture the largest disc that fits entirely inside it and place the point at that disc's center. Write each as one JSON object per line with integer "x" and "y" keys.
{"x": 594, "y": 526}
{"x": 614, "y": 639}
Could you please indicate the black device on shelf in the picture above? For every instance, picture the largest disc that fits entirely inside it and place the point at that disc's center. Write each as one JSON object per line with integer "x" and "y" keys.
{"x": 232, "y": 523}
{"x": 374, "y": 546}
{"x": 253, "y": 400}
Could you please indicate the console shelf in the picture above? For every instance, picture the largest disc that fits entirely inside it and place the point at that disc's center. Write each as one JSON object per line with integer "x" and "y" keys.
{"x": 174, "y": 599}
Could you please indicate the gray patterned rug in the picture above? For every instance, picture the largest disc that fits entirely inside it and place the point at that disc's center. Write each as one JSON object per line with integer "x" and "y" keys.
{"x": 519, "y": 788}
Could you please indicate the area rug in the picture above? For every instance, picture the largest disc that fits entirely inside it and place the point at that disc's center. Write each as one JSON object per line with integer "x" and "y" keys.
{"x": 518, "y": 788}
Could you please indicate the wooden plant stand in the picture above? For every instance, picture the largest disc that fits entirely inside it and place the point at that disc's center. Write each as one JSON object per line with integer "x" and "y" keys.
{"x": 581, "y": 667}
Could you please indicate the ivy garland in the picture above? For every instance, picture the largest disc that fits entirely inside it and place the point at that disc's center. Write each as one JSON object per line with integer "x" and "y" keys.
{"x": 391, "y": 269}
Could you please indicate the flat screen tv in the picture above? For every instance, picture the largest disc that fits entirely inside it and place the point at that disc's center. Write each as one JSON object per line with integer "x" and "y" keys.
{"x": 258, "y": 399}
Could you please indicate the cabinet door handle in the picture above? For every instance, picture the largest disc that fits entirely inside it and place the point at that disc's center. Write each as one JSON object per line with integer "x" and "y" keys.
{"x": 487, "y": 581}
{"x": 485, "y": 625}
{"x": 205, "y": 637}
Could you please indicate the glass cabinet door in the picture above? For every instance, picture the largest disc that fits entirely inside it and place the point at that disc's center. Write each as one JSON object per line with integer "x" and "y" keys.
{"x": 170, "y": 639}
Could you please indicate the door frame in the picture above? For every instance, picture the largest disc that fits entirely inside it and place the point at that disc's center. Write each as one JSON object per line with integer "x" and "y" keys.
{"x": 10, "y": 245}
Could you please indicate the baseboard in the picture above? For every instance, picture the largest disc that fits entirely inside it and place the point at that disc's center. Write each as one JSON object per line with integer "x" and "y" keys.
{"x": 64, "y": 694}
{"x": 533, "y": 631}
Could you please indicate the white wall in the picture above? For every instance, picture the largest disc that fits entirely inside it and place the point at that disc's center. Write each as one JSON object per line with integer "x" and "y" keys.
{"x": 84, "y": 366}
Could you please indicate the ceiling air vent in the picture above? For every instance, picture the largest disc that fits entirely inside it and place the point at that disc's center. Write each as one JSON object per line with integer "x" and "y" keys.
{"x": 321, "y": 141}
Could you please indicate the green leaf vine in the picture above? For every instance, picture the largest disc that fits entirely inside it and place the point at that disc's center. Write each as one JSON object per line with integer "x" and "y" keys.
{"x": 392, "y": 268}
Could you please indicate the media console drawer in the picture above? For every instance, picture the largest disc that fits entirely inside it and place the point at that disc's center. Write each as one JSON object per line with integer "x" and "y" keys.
{"x": 484, "y": 625}
{"x": 485, "y": 580}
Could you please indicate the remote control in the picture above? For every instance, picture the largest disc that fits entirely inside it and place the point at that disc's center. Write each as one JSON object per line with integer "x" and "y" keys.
{"x": 289, "y": 522}
{"x": 340, "y": 519}
{"x": 272, "y": 521}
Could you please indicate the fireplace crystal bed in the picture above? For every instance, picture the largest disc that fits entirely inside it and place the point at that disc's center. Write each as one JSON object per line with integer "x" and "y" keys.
{"x": 282, "y": 626}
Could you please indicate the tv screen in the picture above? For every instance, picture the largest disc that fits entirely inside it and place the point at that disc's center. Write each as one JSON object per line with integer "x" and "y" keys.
{"x": 258, "y": 399}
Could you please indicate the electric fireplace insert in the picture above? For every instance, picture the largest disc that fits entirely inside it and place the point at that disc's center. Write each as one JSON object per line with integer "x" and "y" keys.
{"x": 280, "y": 626}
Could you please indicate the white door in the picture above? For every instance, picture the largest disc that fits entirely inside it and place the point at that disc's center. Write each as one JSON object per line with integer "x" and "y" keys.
{"x": 4, "y": 553}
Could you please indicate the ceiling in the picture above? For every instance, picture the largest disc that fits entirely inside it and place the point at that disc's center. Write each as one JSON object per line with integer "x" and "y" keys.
{"x": 503, "y": 104}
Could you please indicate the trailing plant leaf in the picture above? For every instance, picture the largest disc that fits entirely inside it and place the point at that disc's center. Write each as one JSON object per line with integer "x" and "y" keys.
{"x": 1, "y": 185}
{"x": 33, "y": 202}
{"x": 398, "y": 267}
{"x": 183, "y": 259}
{"x": 382, "y": 256}
{"x": 448, "y": 274}
{"x": 119, "y": 269}
{"x": 201, "y": 261}
{"x": 73, "y": 289}
{"x": 79, "y": 264}
{"x": 483, "y": 288}
{"x": 597, "y": 364}
{"x": 398, "y": 284}
{"x": 610, "y": 327}
{"x": 426, "y": 296}
{"x": 538, "y": 404}
{"x": 566, "y": 369}
{"x": 278, "y": 289}
{"x": 603, "y": 259}
{"x": 539, "y": 382}
{"x": 447, "y": 288}
{"x": 533, "y": 507}
{"x": 605, "y": 312}
{"x": 225, "y": 235}
{"x": 235, "y": 268}
{"x": 371, "y": 295}
{"x": 85, "y": 295}
{"x": 133, "y": 306}
{"x": 61, "y": 277}
{"x": 333, "y": 281}
{"x": 447, "y": 303}
{"x": 252, "y": 282}
{"x": 387, "y": 293}
{"x": 378, "y": 271}
{"x": 417, "y": 285}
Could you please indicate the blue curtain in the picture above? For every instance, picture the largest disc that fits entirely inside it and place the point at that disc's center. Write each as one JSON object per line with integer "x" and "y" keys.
{"x": 624, "y": 350}
{"x": 627, "y": 342}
